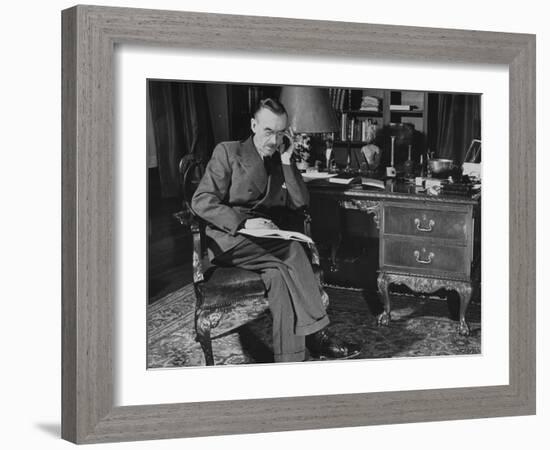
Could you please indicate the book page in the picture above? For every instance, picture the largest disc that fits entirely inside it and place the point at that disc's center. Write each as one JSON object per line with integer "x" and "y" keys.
{"x": 276, "y": 234}
{"x": 373, "y": 183}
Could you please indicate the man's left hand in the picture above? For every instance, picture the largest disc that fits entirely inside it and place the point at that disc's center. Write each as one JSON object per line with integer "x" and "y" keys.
{"x": 287, "y": 153}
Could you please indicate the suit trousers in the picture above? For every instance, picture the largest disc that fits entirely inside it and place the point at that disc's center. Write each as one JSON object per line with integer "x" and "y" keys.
{"x": 293, "y": 291}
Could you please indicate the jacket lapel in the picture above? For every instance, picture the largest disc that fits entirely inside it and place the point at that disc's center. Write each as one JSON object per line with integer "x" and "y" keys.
{"x": 274, "y": 185}
{"x": 253, "y": 164}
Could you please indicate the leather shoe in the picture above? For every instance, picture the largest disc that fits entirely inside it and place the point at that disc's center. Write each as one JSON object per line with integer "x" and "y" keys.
{"x": 323, "y": 346}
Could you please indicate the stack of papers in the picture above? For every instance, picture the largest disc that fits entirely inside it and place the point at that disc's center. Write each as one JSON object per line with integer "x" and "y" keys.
{"x": 308, "y": 176}
{"x": 370, "y": 103}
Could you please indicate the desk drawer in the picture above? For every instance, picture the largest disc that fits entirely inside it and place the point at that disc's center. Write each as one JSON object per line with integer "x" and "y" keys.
{"x": 425, "y": 222}
{"x": 425, "y": 257}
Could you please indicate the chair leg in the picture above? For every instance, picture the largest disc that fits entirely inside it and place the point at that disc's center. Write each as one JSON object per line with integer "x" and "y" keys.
{"x": 206, "y": 345}
{"x": 203, "y": 326}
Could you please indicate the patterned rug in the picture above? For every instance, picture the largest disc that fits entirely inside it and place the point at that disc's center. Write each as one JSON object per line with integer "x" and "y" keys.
{"x": 420, "y": 327}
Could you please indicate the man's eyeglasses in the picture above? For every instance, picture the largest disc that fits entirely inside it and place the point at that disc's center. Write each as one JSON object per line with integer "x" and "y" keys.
{"x": 278, "y": 134}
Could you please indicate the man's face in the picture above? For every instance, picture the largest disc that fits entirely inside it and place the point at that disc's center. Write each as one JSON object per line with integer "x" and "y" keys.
{"x": 268, "y": 129}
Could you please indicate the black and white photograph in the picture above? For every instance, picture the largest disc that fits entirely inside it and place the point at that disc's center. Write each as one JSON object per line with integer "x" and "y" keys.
{"x": 311, "y": 223}
{"x": 266, "y": 225}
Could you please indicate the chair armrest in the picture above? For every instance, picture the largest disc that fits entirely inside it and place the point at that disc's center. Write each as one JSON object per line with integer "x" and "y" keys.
{"x": 307, "y": 222}
{"x": 187, "y": 218}
{"x": 184, "y": 217}
{"x": 315, "y": 259}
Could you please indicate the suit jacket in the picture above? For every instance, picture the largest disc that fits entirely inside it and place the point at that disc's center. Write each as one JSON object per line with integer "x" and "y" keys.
{"x": 236, "y": 187}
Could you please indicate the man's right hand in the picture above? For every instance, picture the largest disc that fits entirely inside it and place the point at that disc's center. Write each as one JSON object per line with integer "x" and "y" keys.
{"x": 259, "y": 223}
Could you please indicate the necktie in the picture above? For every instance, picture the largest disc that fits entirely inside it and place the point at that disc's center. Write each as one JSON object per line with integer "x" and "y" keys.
{"x": 268, "y": 164}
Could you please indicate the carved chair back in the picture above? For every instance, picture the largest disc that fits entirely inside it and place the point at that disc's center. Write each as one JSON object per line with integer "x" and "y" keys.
{"x": 191, "y": 171}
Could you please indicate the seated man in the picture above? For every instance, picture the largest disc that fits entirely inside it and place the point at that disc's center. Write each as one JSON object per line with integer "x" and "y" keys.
{"x": 246, "y": 185}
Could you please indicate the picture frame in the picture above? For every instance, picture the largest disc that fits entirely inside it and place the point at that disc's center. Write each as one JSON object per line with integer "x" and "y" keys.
{"x": 89, "y": 37}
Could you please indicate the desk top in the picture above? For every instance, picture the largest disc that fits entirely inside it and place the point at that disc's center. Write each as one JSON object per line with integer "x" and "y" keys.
{"x": 397, "y": 190}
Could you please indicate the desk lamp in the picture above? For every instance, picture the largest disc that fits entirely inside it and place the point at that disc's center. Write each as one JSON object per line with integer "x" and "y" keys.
{"x": 310, "y": 111}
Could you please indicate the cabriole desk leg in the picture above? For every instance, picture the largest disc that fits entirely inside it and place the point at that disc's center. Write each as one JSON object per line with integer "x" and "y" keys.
{"x": 384, "y": 318}
{"x": 465, "y": 294}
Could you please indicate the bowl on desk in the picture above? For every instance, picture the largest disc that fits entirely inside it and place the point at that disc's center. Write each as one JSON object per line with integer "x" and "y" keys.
{"x": 441, "y": 168}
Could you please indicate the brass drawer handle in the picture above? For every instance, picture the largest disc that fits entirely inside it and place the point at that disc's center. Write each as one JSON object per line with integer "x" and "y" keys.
{"x": 431, "y": 223}
{"x": 423, "y": 261}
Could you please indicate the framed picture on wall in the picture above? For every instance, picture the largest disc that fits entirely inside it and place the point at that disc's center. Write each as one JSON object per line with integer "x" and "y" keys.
{"x": 145, "y": 125}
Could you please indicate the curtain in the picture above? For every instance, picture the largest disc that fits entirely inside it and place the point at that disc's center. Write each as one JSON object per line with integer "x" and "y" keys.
{"x": 151, "y": 144}
{"x": 458, "y": 122}
{"x": 180, "y": 124}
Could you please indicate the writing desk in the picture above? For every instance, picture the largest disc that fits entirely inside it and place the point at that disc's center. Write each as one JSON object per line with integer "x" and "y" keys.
{"x": 426, "y": 242}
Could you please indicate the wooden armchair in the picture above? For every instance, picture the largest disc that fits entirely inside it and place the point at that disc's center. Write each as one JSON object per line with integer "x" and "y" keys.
{"x": 226, "y": 297}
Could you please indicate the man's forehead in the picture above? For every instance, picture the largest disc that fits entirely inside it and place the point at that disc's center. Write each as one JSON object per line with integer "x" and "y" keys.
{"x": 268, "y": 119}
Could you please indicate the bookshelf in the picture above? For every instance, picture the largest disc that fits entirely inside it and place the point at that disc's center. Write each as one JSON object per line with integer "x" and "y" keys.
{"x": 385, "y": 108}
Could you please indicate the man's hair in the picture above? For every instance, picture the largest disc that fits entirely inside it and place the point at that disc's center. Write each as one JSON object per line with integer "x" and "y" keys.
{"x": 275, "y": 106}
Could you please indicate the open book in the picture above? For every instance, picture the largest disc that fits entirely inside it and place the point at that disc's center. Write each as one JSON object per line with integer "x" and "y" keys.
{"x": 345, "y": 179}
{"x": 276, "y": 234}
{"x": 372, "y": 182}
{"x": 308, "y": 176}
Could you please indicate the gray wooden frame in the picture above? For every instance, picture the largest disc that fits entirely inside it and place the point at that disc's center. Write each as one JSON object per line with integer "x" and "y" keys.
{"x": 89, "y": 36}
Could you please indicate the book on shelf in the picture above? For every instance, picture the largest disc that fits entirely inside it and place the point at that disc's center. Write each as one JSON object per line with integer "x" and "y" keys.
{"x": 340, "y": 96}
{"x": 402, "y": 107}
{"x": 364, "y": 130}
{"x": 344, "y": 127}
{"x": 345, "y": 179}
{"x": 358, "y": 130}
{"x": 276, "y": 234}
{"x": 337, "y": 96}
{"x": 354, "y": 128}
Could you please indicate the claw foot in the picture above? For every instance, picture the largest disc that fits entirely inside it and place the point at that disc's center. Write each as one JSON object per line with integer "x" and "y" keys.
{"x": 384, "y": 319}
{"x": 463, "y": 328}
